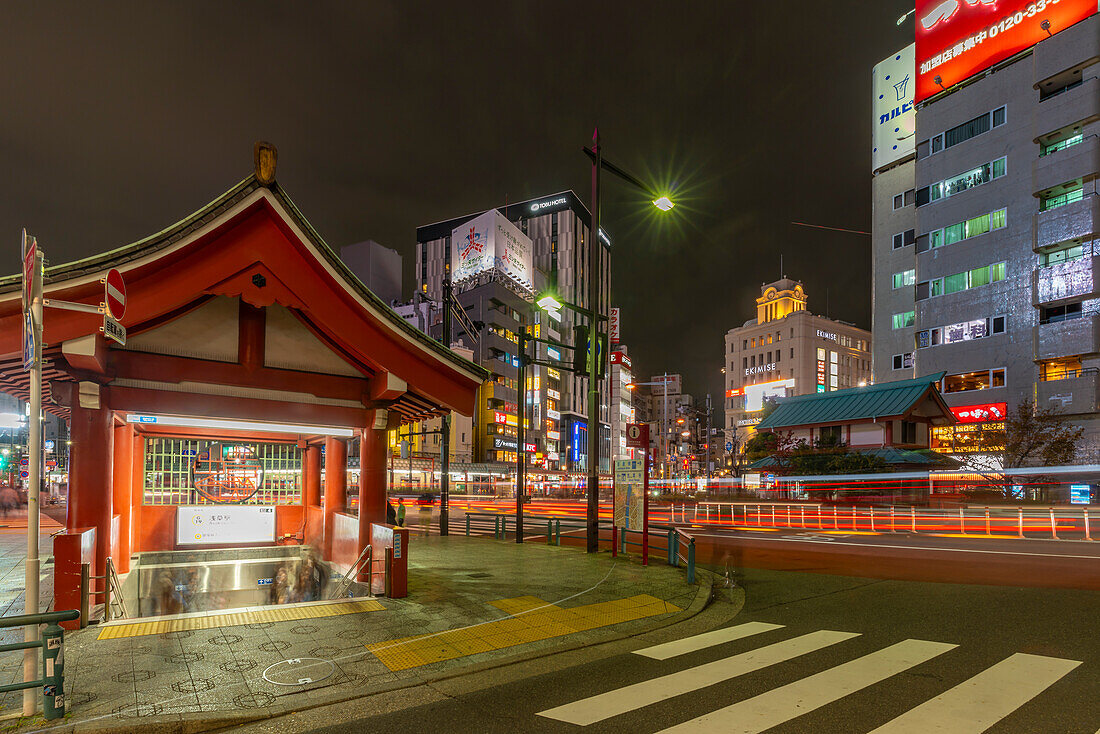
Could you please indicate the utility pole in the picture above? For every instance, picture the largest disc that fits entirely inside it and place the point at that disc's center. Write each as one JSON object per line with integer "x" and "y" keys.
{"x": 592, "y": 510}
{"x": 32, "y": 308}
{"x": 521, "y": 432}
{"x": 709, "y": 439}
{"x": 445, "y": 450}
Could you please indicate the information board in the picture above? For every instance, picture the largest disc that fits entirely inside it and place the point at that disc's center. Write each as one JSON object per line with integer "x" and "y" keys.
{"x": 224, "y": 525}
{"x": 1079, "y": 494}
{"x": 629, "y": 493}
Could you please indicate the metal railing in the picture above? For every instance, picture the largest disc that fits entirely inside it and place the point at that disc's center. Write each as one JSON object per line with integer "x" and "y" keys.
{"x": 352, "y": 574}
{"x": 51, "y": 640}
{"x": 679, "y": 545}
{"x": 1059, "y": 523}
{"x": 114, "y": 604}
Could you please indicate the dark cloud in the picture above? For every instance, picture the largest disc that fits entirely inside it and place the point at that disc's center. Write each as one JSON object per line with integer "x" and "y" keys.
{"x": 120, "y": 118}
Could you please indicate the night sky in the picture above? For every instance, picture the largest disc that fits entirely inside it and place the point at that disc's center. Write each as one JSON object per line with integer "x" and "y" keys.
{"x": 121, "y": 118}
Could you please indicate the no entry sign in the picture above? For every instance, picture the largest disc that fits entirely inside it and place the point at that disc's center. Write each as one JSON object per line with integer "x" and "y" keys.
{"x": 115, "y": 295}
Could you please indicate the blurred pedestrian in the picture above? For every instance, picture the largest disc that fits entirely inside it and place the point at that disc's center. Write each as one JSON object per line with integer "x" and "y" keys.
{"x": 9, "y": 500}
{"x": 401, "y": 512}
{"x": 391, "y": 514}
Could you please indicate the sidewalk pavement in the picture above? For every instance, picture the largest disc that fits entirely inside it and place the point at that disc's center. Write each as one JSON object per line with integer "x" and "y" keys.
{"x": 473, "y": 603}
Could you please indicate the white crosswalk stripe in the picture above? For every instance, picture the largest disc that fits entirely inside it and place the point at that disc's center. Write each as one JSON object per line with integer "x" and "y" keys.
{"x": 971, "y": 707}
{"x": 619, "y": 701}
{"x": 795, "y": 699}
{"x": 707, "y": 639}
{"x": 978, "y": 703}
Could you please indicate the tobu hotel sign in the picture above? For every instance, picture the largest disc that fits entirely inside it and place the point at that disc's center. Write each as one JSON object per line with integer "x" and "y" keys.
{"x": 491, "y": 241}
{"x": 980, "y": 413}
{"x": 959, "y": 38}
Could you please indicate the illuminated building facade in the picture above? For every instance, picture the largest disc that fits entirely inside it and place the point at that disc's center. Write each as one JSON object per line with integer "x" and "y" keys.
{"x": 786, "y": 350}
{"x": 557, "y": 227}
{"x": 988, "y": 269}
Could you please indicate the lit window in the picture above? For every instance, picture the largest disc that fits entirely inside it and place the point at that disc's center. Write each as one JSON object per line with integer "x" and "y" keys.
{"x": 906, "y": 278}
{"x": 904, "y": 320}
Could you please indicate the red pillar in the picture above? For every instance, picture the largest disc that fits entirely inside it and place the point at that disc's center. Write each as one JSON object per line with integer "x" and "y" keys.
{"x": 336, "y": 485}
{"x": 372, "y": 484}
{"x": 123, "y": 476}
{"x": 311, "y": 477}
{"x": 137, "y": 493}
{"x": 92, "y": 434}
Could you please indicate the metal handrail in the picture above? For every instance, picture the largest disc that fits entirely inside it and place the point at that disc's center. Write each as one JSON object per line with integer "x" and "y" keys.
{"x": 353, "y": 572}
{"x": 50, "y": 640}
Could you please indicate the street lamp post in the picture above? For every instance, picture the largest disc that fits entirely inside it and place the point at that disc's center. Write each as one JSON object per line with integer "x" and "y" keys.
{"x": 664, "y": 204}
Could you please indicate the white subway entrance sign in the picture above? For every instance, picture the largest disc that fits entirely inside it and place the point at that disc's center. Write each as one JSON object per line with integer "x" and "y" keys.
{"x": 224, "y": 525}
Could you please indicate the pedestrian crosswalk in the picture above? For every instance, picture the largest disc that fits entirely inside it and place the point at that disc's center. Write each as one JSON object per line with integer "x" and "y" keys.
{"x": 970, "y": 707}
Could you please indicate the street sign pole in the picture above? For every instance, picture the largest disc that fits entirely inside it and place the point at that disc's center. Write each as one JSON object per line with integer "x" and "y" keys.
{"x": 645, "y": 495}
{"x": 34, "y": 456}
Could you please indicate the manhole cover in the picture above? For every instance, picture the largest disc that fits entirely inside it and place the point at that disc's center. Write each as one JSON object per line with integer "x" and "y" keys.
{"x": 299, "y": 671}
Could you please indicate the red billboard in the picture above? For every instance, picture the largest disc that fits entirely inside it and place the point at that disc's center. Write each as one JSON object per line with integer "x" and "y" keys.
{"x": 981, "y": 413}
{"x": 958, "y": 38}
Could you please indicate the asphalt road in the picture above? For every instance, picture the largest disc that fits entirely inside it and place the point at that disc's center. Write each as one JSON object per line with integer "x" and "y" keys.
{"x": 1034, "y": 637}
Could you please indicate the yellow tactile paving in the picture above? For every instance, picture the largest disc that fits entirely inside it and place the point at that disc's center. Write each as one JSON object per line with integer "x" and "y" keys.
{"x": 533, "y": 620}
{"x": 234, "y": 619}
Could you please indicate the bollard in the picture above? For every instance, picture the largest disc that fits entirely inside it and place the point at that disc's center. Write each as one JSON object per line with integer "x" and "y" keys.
{"x": 872, "y": 518}
{"x": 803, "y": 508}
{"x": 557, "y": 540}
{"x": 1020, "y": 511}
{"x": 962, "y": 521}
{"x": 1087, "y": 536}
{"x": 622, "y": 542}
{"x": 987, "y": 522}
{"x": 673, "y": 548}
{"x": 550, "y": 531}
{"x": 836, "y": 522}
{"x": 893, "y": 528}
{"x": 107, "y": 590}
{"x": 854, "y": 517}
{"x": 1053, "y": 527}
{"x": 85, "y": 593}
{"x": 773, "y": 516}
{"x": 913, "y": 517}
{"x": 691, "y": 561}
{"x": 53, "y": 679}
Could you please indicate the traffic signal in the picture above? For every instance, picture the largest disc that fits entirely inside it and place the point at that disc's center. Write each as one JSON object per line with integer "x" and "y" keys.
{"x": 581, "y": 346}
{"x": 580, "y": 349}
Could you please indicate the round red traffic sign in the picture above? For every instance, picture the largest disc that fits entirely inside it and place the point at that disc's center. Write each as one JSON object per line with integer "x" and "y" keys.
{"x": 116, "y": 295}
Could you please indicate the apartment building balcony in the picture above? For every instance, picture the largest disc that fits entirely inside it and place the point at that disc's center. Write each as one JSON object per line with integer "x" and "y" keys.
{"x": 1077, "y": 161}
{"x": 1080, "y": 336}
{"x": 1077, "y": 104}
{"x": 1074, "y": 394}
{"x": 1065, "y": 281}
{"x": 1068, "y": 49}
{"x": 1077, "y": 221}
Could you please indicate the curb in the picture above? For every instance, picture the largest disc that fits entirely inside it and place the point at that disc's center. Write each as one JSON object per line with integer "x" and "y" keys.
{"x": 195, "y": 723}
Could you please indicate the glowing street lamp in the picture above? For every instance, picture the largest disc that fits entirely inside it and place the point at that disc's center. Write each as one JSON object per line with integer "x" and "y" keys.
{"x": 663, "y": 203}
{"x": 549, "y": 303}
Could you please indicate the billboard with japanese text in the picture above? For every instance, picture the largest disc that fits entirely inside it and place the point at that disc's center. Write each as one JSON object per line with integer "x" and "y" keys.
{"x": 959, "y": 38}
{"x": 490, "y": 241}
{"x": 895, "y": 121}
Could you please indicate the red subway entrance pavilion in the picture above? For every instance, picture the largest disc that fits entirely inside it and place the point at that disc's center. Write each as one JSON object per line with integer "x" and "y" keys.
{"x": 255, "y": 365}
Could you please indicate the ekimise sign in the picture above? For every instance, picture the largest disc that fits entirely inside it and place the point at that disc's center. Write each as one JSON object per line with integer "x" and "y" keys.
{"x": 958, "y": 38}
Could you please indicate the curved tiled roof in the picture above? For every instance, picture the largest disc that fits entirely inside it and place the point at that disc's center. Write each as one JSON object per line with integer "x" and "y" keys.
{"x": 884, "y": 400}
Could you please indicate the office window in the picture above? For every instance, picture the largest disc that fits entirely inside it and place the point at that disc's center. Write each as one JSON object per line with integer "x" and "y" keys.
{"x": 904, "y": 319}
{"x": 998, "y": 323}
{"x": 821, "y": 354}
{"x": 792, "y": 352}
{"x": 980, "y": 380}
{"x": 957, "y": 184}
{"x": 979, "y": 276}
{"x": 954, "y": 283}
{"x": 778, "y": 355}
{"x": 898, "y": 202}
{"x": 745, "y": 362}
{"x": 937, "y": 143}
{"x": 1053, "y": 201}
{"x": 769, "y": 338}
{"x": 905, "y": 278}
{"x": 833, "y": 357}
{"x": 903, "y": 361}
{"x": 769, "y": 358}
{"x": 752, "y": 360}
{"x": 1066, "y": 254}
{"x": 744, "y": 343}
{"x": 1055, "y": 314}
{"x": 752, "y": 342}
{"x": 1000, "y": 116}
